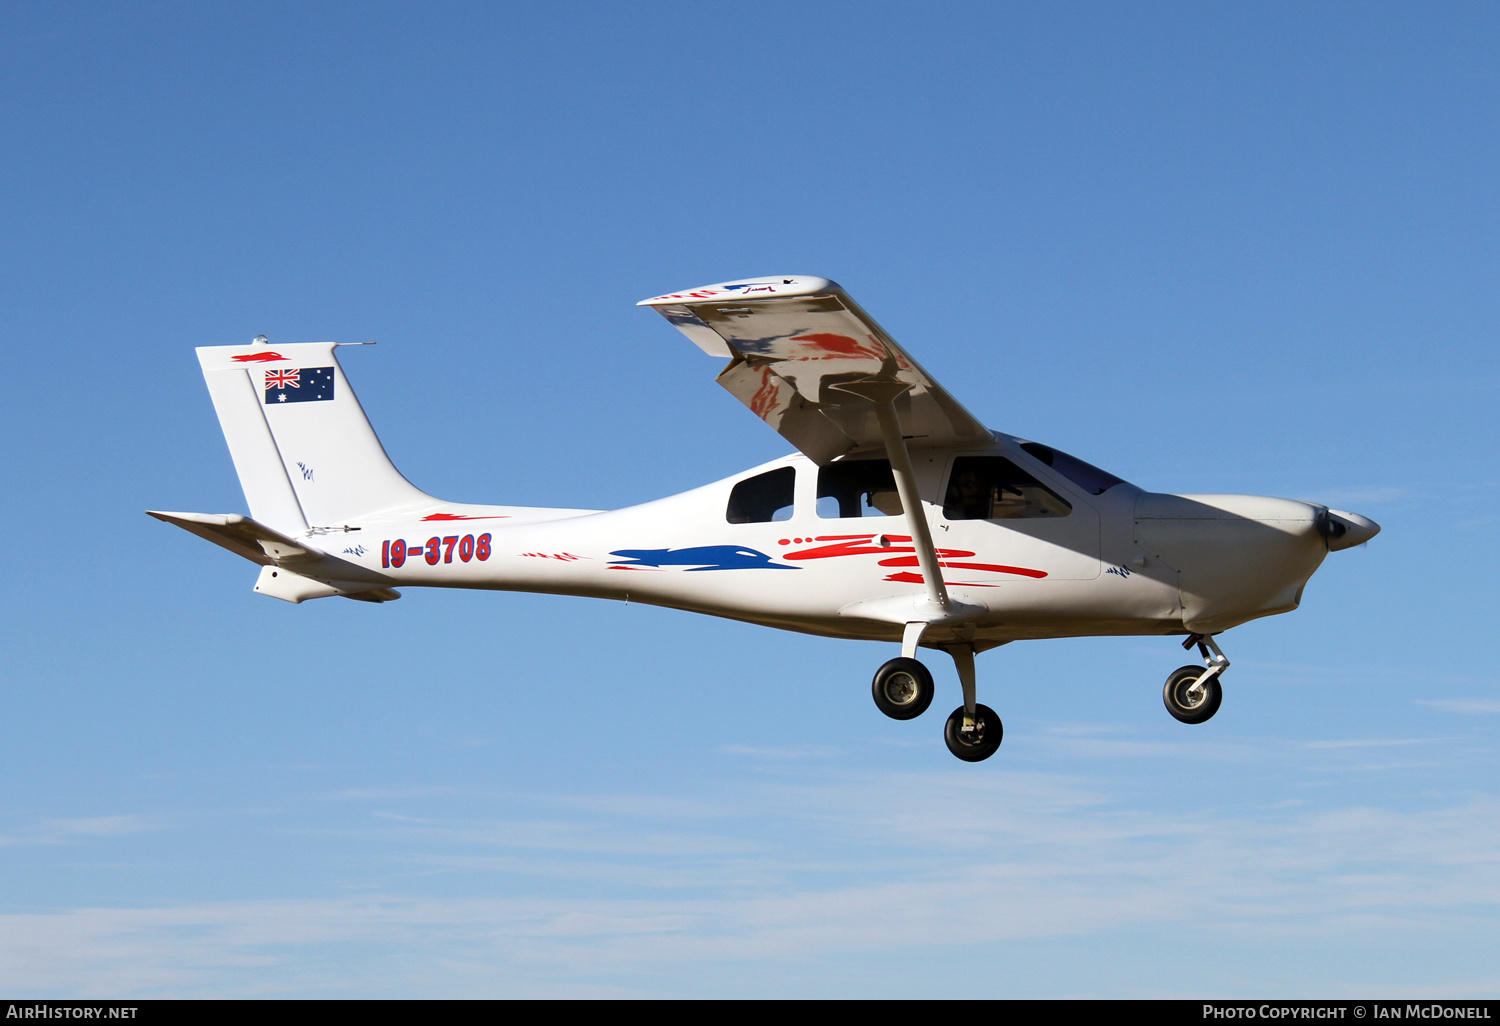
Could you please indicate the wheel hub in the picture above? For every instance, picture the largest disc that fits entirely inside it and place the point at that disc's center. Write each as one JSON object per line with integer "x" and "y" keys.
{"x": 973, "y": 737}
{"x": 901, "y": 689}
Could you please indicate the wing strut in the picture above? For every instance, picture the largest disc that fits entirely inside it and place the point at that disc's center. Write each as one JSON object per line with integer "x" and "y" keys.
{"x": 882, "y": 394}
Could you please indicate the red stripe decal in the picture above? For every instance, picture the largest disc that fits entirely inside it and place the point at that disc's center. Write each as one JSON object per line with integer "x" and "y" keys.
{"x": 907, "y": 578}
{"x": 948, "y": 564}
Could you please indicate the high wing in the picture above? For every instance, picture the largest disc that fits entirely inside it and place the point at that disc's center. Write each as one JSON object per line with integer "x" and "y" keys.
{"x": 792, "y": 342}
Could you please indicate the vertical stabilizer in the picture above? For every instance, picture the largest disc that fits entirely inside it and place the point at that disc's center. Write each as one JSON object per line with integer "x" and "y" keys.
{"x": 301, "y": 443}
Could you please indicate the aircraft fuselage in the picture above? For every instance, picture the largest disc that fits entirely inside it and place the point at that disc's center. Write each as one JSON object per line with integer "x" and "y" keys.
{"x": 1125, "y": 561}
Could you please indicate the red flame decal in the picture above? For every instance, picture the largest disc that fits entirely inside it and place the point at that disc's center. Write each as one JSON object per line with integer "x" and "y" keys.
{"x": 900, "y": 555}
{"x": 455, "y": 516}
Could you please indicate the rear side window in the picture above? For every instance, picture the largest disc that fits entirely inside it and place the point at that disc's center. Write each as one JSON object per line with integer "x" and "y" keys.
{"x": 994, "y": 488}
{"x": 763, "y": 499}
{"x": 1085, "y": 475}
{"x": 859, "y": 488}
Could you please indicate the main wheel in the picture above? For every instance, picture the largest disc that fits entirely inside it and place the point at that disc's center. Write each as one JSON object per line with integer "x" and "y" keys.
{"x": 902, "y": 689}
{"x": 1188, "y": 707}
{"x": 978, "y": 744}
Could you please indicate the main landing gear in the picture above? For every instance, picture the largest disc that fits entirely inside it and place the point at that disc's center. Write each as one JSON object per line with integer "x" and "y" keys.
{"x": 1192, "y": 693}
{"x": 903, "y": 691}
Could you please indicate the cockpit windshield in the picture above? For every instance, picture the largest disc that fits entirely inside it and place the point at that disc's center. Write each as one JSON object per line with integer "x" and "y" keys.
{"x": 1085, "y": 475}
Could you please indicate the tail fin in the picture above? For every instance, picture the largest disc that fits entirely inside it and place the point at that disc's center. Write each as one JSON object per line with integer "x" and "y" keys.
{"x": 301, "y": 443}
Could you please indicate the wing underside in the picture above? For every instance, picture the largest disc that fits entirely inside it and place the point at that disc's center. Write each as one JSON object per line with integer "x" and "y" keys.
{"x": 792, "y": 342}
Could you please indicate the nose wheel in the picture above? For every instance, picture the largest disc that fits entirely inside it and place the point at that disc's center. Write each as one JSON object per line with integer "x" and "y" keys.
{"x": 1189, "y": 701}
{"x": 1192, "y": 693}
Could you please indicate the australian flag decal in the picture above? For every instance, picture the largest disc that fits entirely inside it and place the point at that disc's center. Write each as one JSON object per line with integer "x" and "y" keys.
{"x": 299, "y": 385}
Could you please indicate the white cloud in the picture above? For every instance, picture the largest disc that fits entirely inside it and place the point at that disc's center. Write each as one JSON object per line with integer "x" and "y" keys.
{"x": 941, "y": 863}
{"x": 391, "y": 793}
{"x": 1463, "y": 705}
{"x": 1374, "y": 742}
{"x": 63, "y": 831}
{"x": 788, "y": 753}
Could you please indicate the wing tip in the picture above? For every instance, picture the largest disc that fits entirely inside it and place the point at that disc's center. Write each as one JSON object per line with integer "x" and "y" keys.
{"x": 776, "y": 286}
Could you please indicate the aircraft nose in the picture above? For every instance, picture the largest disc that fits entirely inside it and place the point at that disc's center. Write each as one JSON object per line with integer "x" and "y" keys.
{"x": 1344, "y": 530}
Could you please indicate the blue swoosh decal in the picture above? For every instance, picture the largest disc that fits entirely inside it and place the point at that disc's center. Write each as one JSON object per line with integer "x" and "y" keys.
{"x": 702, "y": 557}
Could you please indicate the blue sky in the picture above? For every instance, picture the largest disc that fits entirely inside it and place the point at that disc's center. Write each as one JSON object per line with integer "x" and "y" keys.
{"x": 1210, "y": 247}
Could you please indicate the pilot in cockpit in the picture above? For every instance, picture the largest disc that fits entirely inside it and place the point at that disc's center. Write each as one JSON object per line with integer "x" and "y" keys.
{"x": 968, "y": 496}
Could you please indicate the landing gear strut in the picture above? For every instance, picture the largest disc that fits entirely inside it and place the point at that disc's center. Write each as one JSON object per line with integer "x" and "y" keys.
{"x": 1192, "y": 694}
{"x": 973, "y": 731}
{"x": 903, "y": 686}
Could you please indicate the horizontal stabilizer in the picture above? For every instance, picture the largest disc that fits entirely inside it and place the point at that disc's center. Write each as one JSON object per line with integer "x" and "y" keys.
{"x": 291, "y": 570}
{"x": 242, "y": 536}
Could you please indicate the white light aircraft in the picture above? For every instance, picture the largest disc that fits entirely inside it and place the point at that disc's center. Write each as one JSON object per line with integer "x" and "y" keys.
{"x": 901, "y": 518}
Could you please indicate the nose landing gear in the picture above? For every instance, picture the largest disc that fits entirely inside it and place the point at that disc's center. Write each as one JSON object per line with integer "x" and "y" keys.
{"x": 1192, "y": 694}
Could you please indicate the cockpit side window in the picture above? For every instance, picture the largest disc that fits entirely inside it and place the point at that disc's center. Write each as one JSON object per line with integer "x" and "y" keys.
{"x": 763, "y": 499}
{"x": 994, "y": 488}
{"x": 1085, "y": 475}
{"x": 857, "y": 488}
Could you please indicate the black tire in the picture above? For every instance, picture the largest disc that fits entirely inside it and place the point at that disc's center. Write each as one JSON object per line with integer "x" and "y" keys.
{"x": 1189, "y": 708}
{"x": 978, "y": 744}
{"x": 902, "y": 689}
